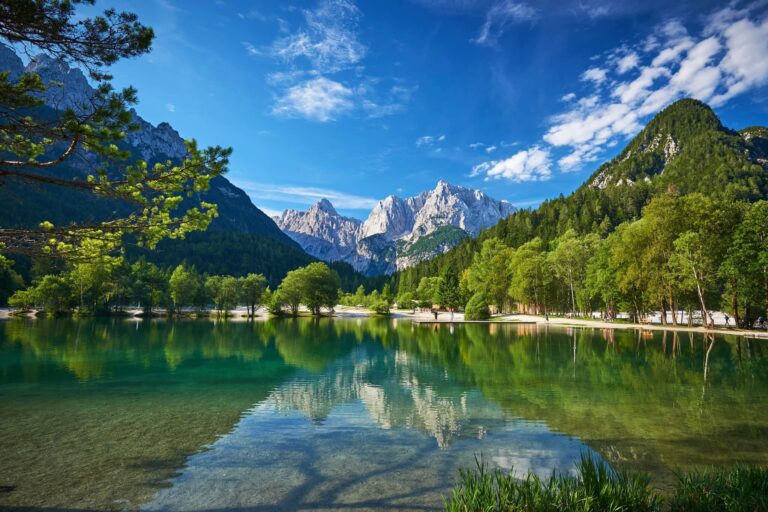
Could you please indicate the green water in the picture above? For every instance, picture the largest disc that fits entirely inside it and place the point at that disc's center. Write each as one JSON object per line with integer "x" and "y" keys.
{"x": 353, "y": 414}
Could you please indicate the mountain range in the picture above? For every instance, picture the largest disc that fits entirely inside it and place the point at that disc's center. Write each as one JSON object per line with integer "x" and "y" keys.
{"x": 241, "y": 239}
{"x": 685, "y": 148}
{"x": 398, "y": 232}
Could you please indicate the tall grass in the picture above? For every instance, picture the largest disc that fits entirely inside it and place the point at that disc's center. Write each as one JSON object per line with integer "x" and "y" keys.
{"x": 597, "y": 487}
{"x": 744, "y": 488}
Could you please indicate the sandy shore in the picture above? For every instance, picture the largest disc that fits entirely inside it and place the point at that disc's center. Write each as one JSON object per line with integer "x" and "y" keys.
{"x": 346, "y": 312}
{"x": 622, "y": 325}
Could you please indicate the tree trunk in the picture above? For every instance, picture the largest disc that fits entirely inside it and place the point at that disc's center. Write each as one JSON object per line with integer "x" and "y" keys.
{"x": 735, "y": 306}
{"x": 663, "y": 313}
{"x": 674, "y": 310}
{"x": 704, "y": 310}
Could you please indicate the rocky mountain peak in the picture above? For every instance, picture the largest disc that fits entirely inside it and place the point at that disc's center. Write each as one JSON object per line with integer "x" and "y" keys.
{"x": 325, "y": 206}
{"x": 384, "y": 241}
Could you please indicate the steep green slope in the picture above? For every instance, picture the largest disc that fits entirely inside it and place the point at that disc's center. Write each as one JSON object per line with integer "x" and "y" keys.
{"x": 684, "y": 147}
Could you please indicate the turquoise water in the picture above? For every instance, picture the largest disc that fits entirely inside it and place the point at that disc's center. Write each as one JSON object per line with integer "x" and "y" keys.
{"x": 353, "y": 414}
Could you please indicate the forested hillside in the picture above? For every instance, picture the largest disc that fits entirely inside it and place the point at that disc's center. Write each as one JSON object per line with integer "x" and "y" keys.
{"x": 683, "y": 152}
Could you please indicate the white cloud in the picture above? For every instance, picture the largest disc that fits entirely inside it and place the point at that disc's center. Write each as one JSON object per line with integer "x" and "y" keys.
{"x": 532, "y": 164}
{"x": 170, "y": 107}
{"x": 729, "y": 57}
{"x": 251, "y": 49}
{"x": 596, "y": 75}
{"x": 329, "y": 40}
{"x": 425, "y": 140}
{"x": 429, "y": 140}
{"x": 304, "y": 195}
{"x": 627, "y": 62}
{"x": 490, "y": 149}
{"x": 568, "y": 97}
{"x": 500, "y": 16}
{"x": 325, "y": 45}
{"x": 476, "y": 145}
{"x": 319, "y": 99}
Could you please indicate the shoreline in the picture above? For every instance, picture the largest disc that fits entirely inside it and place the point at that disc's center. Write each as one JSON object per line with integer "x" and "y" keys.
{"x": 426, "y": 318}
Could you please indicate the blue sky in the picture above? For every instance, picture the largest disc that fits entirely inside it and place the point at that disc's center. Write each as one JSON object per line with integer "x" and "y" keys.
{"x": 354, "y": 100}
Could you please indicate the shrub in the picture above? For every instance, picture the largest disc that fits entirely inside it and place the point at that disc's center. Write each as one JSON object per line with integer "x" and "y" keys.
{"x": 477, "y": 308}
{"x": 380, "y": 307}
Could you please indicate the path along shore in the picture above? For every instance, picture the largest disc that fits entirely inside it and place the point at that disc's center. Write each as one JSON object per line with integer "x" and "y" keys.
{"x": 346, "y": 312}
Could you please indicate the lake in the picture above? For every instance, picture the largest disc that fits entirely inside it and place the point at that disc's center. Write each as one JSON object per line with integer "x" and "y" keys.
{"x": 338, "y": 414}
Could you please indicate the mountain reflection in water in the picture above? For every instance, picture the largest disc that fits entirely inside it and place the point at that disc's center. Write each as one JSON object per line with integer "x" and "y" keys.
{"x": 353, "y": 414}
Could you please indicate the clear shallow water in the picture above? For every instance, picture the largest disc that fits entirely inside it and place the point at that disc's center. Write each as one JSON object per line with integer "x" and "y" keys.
{"x": 352, "y": 415}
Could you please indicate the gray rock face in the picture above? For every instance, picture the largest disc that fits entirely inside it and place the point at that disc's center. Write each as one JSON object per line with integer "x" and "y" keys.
{"x": 66, "y": 87}
{"x": 156, "y": 142}
{"x": 321, "y": 231}
{"x": 384, "y": 242}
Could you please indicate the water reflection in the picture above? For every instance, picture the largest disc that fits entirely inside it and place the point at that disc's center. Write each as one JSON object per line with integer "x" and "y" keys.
{"x": 301, "y": 404}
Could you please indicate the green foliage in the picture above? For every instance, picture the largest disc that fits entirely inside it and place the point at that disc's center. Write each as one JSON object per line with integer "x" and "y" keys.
{"x": 477, "y": 308}
{"x": 428, "y": 291}
{"x": 10, "y": 280}
{"x": 183, "y": 285}
{"x": 316, "y": 286}
{"x": 595, "y": 487}
{"x": 442, "y": 237}
{"x": 381, "y": 307}
{"x": 253, "y": 287}
{"x": 37, "y": 142}
{"x": 406, "y": 300}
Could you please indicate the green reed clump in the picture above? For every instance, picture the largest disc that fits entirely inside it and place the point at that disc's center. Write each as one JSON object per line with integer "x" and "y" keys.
{"x": 597, "y": 487}
{"x": 743, "y": 488}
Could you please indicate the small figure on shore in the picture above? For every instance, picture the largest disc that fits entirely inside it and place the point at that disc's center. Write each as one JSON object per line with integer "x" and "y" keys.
{"x": 727, "y": 318}
{"x": 451, "y": 315}
{"x": 434, "y": 312}
{"x": 761, "y": 323}
{"x": 546, "y": 317}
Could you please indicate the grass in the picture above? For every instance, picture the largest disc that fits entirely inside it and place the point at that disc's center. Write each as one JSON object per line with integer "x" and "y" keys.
{"x": 597, "y": 487}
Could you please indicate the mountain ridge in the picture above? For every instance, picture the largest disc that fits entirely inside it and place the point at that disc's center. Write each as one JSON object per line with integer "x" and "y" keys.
{"x": 388, "y": 239}
{"x": 240, "y": 225}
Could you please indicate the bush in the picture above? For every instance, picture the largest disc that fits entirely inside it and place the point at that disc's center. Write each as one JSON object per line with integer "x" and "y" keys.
{"x": 405, "y": 301}
{"x": 380, "y": 307}
{"x": 477, "y": 308}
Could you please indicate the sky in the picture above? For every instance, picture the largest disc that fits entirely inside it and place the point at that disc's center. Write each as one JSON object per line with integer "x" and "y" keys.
{"x": 354, "y": 100}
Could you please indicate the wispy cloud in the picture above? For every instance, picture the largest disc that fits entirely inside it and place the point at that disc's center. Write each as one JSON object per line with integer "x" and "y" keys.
{"x": 325, "y": 75}
{"x": 251, "y": 49}
{"x": 299, "y": 195}
{"x": 429, "y": 140}
{"x": 319, "y": 99}
{"x": 501, "y": 15}
{"x": 727, "y": 58}
{"x": 328, "y": 40}
{"x": 170, "y": 107}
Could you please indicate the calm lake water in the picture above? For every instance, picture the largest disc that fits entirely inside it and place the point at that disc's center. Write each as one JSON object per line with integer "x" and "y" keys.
{"x": 353, "y": 414}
